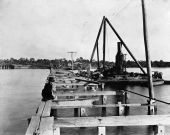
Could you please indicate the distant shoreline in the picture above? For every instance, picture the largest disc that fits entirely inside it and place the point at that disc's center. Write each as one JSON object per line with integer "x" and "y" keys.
{"x": 79, "y": 63}
{"x": 45, "y": 67}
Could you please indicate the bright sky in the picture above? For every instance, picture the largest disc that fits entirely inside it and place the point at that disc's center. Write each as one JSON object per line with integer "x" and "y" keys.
{"x": 51, "y": 28}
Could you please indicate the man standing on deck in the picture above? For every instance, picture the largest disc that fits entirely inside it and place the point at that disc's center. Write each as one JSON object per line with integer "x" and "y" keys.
{"x": 47, "y": 92}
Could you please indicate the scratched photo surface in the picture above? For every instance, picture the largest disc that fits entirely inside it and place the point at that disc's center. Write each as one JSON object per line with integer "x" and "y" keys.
{"x": 32, "y": 30}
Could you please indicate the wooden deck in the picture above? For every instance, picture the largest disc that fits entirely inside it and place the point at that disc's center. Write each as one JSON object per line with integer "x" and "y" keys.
{"x": 44, "y": 124}
{"x": 47, "y": 122}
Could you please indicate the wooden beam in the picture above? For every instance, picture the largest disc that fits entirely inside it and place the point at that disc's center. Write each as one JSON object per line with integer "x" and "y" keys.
{"x": 66, "y": 89}
{"x": 76, "y": 104}
{"x": 65, "y": 78}
{"x": 47, "y": 109}
{"x": 46, "y": 126}
{"x": 33, "y": 126}
{"x": 70, "y": 84}
{"x": 138, "y": 120}
{"x": 72, "y": 99}
{"x": 85, "y": 93}
{"x": 76, "y": 84}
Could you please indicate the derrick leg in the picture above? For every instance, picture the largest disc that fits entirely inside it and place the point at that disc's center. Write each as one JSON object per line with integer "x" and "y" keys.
{"x": 122, "y": 98}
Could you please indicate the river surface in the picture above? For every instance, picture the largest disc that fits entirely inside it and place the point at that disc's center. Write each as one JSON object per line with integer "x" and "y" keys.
{"x": 20, "y": 95}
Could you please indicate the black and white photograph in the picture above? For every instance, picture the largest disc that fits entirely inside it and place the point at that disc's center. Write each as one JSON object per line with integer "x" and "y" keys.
{"x": 84, "y": 67}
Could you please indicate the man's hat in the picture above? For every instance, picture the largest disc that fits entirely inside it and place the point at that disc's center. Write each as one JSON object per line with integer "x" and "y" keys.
{"x": 51, "y": 79}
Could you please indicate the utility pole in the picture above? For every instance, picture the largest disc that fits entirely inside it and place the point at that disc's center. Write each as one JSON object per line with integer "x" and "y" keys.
{"x": 148, "y": 61}
{"x": 72, "y": 58}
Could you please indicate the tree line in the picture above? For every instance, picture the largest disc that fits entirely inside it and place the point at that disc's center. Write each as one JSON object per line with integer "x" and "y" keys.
{"x": 78, "y": 63}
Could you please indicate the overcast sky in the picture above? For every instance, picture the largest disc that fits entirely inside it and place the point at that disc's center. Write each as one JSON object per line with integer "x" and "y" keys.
{"x": 51, "y": 28}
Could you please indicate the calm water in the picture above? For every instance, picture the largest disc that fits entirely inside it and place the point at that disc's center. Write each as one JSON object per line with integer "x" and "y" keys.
{"x": 19, "y": 97}
{"x": 20, "y": 94}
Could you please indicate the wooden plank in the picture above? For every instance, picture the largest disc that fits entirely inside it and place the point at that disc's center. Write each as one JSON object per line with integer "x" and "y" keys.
{"x": 70, "y": 84}
{"x": 74, "y": 83}
{"x": 59, "y": 88}
{"x": 66, "y": 89}
{"x": 47, "y": 109}
{"x": 73, "y": 104}
{"x": 65, "y": 78}
{"x": 139, "y": 120}
{"x": 84, "y": 93}
{"x": 46, "y": 126}
{"x": 40, "y": 109}
{"x": 68, "y": 77}
{"x": 73, "y": 99}
{"x": 33, "y": 126}
{"x": 79, "y": 104}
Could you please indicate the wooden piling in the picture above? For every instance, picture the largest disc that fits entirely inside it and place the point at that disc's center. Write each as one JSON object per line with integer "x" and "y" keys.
{"x": 121, "y": 100}
{"x": 83, "y": 112}
{"x": 121, "y": 109}
{"x": 101, "y": 130}
{"x": 159, "y": 130}
{"x": 53, "y": 113}
{"x": 104, "y": 99}
{"x": 76, "y": 112}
